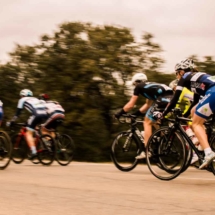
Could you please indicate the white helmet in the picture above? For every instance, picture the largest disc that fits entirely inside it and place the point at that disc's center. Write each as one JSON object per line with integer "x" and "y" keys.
{"x": 139, "y": 77}
{"x": 26, "y": 92}
{"x": 185, "y": 65}
{"x": 173, "y": 84}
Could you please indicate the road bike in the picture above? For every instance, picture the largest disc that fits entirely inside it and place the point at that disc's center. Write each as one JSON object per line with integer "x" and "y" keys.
{"x": 127, "y": 144}
{"x": 45, "y": 146}
{"x": 171, "y": 149}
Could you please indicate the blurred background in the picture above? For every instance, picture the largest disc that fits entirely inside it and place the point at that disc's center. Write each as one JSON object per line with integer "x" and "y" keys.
{"x": 83, "y": 55}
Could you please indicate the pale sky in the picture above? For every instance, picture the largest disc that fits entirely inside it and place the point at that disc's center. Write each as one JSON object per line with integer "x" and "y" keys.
{"x": 182, "y": 27}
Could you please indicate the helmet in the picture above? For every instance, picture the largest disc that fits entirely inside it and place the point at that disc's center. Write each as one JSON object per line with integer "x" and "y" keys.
{"x": 173, "y": 84}
{"x": 138, "y": 77}
{"x": 44, "y": 96}
{"x": 185, "y": 65}
{"x": 26, "y": 92}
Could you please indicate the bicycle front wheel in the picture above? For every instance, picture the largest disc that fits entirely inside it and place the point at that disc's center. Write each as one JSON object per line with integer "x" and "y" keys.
{"x": 19, "y": 149}
{"x": 65, "y": 149}
{"x": 167, "y": 154}
{"x": 46, "y": 149}
{"x": 5, "y": 152}
{"x": 124, "y": 149}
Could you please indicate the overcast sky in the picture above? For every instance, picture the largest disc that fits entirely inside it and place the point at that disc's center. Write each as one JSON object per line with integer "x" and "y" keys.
{"x": 182, "y": 27}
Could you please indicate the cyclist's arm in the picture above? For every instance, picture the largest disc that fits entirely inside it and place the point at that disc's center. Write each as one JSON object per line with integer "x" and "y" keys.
{"x": 131, "y": 103}
{"x": 173, "y": 102}
{"x": 146, "y": 106}
{"x": 196, "y": 98}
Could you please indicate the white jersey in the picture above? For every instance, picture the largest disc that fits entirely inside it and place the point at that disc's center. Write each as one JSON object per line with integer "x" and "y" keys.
{"x": 52, "y": 106}
{"x": 31, "y": 104}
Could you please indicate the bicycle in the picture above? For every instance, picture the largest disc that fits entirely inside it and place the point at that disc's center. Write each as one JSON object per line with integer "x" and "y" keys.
{"x": 172, "y": 150}
{"x": 127, "y": 144}
{"x": 65, "y": 148}
{"x": 45, "y": 146}
{"x": 5, "y": 150}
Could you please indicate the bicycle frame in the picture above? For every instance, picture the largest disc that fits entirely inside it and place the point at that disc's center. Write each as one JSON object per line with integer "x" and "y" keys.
{"x": 177, "y": 126}
{"x": 22, "y": 133}
{"x": 136, "y": 133}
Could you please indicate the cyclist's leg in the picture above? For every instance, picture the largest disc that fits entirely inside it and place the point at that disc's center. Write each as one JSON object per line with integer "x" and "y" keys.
{"x": 203, "y": 110}
{"x": 32, "y": 122}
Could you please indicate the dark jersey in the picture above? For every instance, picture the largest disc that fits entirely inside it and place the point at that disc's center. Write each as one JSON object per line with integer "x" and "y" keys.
{"x": 197, "y": 82}
{"x": 151, "y": 90}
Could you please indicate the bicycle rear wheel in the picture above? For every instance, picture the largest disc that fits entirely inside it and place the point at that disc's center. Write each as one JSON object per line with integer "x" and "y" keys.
{"x": 5, "y": 152}
{"x": 168, "y": 156}
{"x": 46, "y": 149}
{"x": 65, "y": 149}
{"x": 124, "y": 149}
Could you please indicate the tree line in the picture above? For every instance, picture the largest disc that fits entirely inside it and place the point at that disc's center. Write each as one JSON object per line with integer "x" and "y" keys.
{"x": 86, "y": 68}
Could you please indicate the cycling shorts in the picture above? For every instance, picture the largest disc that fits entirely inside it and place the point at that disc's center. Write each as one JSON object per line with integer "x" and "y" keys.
{"x": 55, "y": 119}
{"x": 159, "y": 105}
{"x": 36, "y": 119}
{"x": 206, "y": 105}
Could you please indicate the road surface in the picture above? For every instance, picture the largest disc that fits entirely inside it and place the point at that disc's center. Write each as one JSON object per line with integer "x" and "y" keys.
{"x": 101, "y": 189}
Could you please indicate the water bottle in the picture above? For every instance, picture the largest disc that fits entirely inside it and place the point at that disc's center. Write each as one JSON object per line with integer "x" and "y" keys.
{"x": 192, "y": 136}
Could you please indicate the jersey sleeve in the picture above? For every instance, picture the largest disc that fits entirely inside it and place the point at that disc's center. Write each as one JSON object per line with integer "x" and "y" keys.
{"x": 137, "y": 90}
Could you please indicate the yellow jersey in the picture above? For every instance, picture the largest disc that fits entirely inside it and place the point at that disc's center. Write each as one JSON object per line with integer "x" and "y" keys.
{"x": 185, "y": 99}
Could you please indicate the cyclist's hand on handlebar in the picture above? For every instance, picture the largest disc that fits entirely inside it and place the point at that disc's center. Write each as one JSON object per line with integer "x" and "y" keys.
{"x": 10, "y": 123}
{"x": 117, "y": 115}
{"x": 157, "y": 115}
{"x": 137, "y": 113}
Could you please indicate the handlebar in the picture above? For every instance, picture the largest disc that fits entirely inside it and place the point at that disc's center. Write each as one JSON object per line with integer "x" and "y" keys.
{"x": 130, "y": 119}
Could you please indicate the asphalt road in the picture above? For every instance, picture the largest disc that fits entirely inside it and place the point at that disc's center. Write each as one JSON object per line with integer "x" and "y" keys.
{"x": 101, "y": 189}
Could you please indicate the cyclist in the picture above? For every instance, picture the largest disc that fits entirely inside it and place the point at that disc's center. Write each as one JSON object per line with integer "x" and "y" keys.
{"x": 55, "y": 115}
{"x": 201, "y": 84}
{"x": 185, "y": 98}
{"x": 38, "y": 111}
{"x": 157, "y": 96}
{"x": 1, "y": 112}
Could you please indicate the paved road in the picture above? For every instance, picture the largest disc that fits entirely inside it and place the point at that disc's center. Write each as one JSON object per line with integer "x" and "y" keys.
{"x": 101, "y": 189}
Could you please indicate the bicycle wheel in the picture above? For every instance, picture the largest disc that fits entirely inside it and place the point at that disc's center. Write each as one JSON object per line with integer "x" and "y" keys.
{"x": 124, "y": 149}
{"x": 5, "y": 152}
{"x": 46, "y": 149}
{"x": 19, "y": 151}
{"x": 65, "y": 149}
{"x": 212, "y": 145}
{"x": 168, "y": 157}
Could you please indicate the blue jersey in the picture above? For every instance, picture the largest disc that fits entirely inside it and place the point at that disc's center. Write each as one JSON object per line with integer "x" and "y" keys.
{"x": 197, "y": 82}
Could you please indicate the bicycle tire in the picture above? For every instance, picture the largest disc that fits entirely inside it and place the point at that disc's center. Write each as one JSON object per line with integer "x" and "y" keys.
{"x": 167, "y": 160}
{"x": 212, "y": 145}
{"x": 5, "y": 152}
{"x": 46, "y": 150}
{"x": 19, "y": 151}
{"x": 65, "y": 149}
{"x": 123, "y": 156}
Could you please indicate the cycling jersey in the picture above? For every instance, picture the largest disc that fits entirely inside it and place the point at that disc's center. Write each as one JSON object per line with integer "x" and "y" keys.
{"x": 186, "y": 99}
{"x": 1, "y": 110}
{"x": 32, "y": 104}
{"x": 197, "y": 82}
{"x": 53, "y": 106}
{"x": 55, "y": 115}
{"x": 151, "y": 90}
{"x": 159, "y": 93}
{"x": 35, "y": 107}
